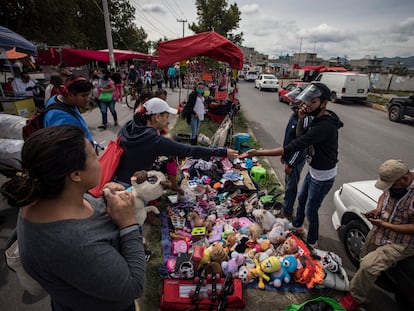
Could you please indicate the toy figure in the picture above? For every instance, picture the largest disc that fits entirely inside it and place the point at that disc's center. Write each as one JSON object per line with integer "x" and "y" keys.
{"x": 288, "y": 266}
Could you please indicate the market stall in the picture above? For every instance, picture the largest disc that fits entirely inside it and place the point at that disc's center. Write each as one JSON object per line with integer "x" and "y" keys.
{"x": 13, "y": 46}
{"x": 209, "y": 44}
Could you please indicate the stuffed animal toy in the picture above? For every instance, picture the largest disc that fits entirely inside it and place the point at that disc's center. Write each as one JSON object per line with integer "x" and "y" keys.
{"x": 246, "y": 275}
{"x": 288, "y": 266}
{"x": 278, "y": 233}
{"x": 242, "y": 245}
{"x": 264, "y": 218}
{"x": 288, "y": 247}
{"x": 255, "y": 231}
{"x": 213, "y": 268}
{"x": 218, "y": 253}
{"x": 146, "y": 186}
{"x": 195, "y": 220}
{"x": 233, "y": 264}
{"x": 269, "y": 265}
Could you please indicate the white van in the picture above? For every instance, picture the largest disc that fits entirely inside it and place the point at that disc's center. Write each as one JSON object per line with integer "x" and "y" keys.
{"x": 251, "y": 75}
{"x": 345, "y": 85}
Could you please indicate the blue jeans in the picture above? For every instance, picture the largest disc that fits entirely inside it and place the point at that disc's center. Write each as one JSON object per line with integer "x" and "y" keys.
{"x": 103, "y": 106}
{"x": 291, "y": 185}
{"x": 309, "y": 201}
{"x": 195, "y": 126}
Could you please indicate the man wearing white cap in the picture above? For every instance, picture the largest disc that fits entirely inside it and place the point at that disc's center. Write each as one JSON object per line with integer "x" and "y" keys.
{"x": 391, "y": 238}
{"x": 143, "y": 143}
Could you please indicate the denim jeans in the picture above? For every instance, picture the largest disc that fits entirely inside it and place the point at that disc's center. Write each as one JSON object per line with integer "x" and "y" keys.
{"x": 194, "y": 125}
{"x": 309, "y": 201}
{"x": 103, "y": 106}
{"x": 291, "y": 185}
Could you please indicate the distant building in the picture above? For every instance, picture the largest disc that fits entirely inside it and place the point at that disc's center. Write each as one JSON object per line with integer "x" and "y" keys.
{"x": 306, "y": 59}
{"x": 366, "y": 65}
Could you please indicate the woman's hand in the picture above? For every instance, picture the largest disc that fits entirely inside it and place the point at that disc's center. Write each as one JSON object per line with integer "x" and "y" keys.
{"x": 232, "y": 154}
{"x": 120, "y": 207}
{"x": 114, "y": 187}
{"x": 248, "y": 154}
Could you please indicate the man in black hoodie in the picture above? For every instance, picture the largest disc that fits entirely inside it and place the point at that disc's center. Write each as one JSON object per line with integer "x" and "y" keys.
{"x": 323, "y": 137}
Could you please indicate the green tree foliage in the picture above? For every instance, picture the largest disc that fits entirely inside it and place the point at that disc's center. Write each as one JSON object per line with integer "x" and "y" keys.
{"x": 399, "y": 70}
{"x": 217, "y": 15}
{"x": 75, "y": 23}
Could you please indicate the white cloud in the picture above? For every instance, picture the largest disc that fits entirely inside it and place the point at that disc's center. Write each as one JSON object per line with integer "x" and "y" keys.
{"x": 325, "y": 33}
{"x": 154, "y": 8}
{"x": 405, "y": 27}
{"x": 249, "y": 8}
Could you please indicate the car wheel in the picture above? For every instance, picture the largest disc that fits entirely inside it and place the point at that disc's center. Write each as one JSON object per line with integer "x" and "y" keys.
{"x": 334, "y": 98}
{"x": 355, "y": 234}
{"x": 280, "y": 99}
{"x": 260, "y": 88}
{"x": 394, "y": 113}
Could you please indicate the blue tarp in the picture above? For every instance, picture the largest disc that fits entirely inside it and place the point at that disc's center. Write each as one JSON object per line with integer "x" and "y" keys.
{"x": 9, "y": 39}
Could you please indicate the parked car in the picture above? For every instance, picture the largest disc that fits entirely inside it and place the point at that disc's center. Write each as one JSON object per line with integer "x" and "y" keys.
{"x": 251, "y": 75}
{"x": 345, "y": 86}
{"x": 283, "y": 98}
{"x": 352, "y": 200}
{"x": 267, "y": 81}
{"x": 400, "y": 107}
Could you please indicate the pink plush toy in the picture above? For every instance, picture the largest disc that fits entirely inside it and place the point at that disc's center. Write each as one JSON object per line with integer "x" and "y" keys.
{"x": 233, "y": 264}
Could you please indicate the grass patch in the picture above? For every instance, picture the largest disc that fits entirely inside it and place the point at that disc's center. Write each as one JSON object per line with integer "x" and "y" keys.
{"x": 377, "y": 99}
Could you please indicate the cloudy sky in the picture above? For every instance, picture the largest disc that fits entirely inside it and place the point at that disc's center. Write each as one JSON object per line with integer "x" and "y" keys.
{"x": 330, "y": 28}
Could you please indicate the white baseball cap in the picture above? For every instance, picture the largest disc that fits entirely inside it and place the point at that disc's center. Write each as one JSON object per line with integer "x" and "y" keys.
{"x": 157, "y": 105}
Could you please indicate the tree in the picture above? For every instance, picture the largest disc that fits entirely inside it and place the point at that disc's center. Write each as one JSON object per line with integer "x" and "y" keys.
{"x": 75, "y": 23}
{"x": 218, "y": 16}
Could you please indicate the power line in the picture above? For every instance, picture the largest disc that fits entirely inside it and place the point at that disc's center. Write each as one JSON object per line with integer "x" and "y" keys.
{"x": 154, "y": 27}
{"x": 179, "y": 9}
{"x": 171, "y": 10}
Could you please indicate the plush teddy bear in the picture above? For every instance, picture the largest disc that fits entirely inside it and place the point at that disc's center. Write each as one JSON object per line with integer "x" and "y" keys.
{"x": 218, "y": 253}
{"x": 264, "y": 218}
{"x": 288, "y": 266}
{"x": 146, "y": 186}
{"x": 246, "y": 275}
{"x": 233, "y": 264}
{"x": 145, "y": 190}
{"x": 278, "y": 233}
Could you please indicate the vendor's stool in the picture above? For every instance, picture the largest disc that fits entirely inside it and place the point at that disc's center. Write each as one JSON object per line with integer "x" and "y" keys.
{"x": 242, "y": 142}
{"x": 258, "y": 173}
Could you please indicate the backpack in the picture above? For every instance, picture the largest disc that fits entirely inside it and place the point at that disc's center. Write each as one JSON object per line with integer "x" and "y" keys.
{"x": 36, "y": 121}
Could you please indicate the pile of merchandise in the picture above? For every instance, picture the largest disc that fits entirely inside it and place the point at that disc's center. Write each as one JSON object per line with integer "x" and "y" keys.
{"x": 223, "y": 239}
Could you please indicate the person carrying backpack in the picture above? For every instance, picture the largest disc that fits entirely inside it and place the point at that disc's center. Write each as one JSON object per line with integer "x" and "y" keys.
{"x": 74, "y": 94}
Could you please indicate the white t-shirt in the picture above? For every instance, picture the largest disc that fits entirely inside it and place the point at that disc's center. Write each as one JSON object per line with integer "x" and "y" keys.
{"x": 199, "y": 108}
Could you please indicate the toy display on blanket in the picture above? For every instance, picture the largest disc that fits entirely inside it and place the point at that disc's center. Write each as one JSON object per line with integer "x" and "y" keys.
{"x": 218, "y": 235}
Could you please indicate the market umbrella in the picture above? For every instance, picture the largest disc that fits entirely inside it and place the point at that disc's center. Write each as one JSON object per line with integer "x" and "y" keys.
{"x": 9, "y": 40}
{"x": 13, "y": 54}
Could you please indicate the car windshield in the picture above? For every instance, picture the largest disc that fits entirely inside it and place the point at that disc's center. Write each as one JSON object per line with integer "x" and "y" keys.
{"x": 269, "y": 77}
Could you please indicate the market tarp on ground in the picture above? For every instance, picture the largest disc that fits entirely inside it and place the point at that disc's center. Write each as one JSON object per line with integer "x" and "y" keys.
{"x": 209, "y": 44}
{"x": 79, "y": 57}
{"x": 9, "y": 40}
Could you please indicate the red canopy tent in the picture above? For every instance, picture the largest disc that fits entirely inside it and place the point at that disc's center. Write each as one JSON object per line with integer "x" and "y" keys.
{"x": 209, "y": 44}
{"x": 79, "y": 57}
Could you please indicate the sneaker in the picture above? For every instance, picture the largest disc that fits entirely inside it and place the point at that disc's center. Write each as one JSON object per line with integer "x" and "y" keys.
{"x": 314, "y": 245}
{"x": 348, "y": 302}
{"x": 299, "y": 229}
{"x": 148, "y": 255}
{"x": 102, "y": 127}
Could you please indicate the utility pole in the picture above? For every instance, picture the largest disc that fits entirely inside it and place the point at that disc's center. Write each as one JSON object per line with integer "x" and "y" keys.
{"x": 108, "y": 34}
{"x": 182, "y": 21}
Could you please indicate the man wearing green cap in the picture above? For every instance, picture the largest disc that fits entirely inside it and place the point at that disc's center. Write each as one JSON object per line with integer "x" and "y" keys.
{"x": 391, "y": 238}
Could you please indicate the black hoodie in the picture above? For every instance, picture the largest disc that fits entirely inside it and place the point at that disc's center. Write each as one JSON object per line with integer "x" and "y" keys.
{"x": 323, "y": 136}
{"x": 143, "y": 144}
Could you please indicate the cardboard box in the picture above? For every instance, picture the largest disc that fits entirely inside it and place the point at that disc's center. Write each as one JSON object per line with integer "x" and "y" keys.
{"x": 21, "y": 107}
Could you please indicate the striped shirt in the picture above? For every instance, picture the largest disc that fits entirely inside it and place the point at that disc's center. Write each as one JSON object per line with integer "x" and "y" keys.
{"x": 398, "y": 212}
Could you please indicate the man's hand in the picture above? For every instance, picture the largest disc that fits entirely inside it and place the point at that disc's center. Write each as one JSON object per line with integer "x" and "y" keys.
{"x": 288, "y": 170}
{"x": 232, "y": 154}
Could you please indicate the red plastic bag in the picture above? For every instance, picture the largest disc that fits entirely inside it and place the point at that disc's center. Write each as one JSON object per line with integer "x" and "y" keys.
{"x": 109, "y": 162}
